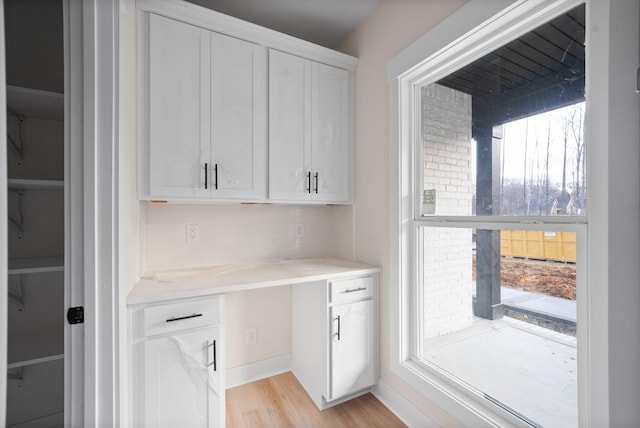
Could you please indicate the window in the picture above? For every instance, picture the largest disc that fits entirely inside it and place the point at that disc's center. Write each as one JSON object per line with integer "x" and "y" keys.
{"x": 493, "y": 217}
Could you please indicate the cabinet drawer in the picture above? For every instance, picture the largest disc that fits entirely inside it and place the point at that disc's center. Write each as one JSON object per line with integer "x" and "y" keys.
{"x": 351, "y": 289}
{"x": 181, "y": 316}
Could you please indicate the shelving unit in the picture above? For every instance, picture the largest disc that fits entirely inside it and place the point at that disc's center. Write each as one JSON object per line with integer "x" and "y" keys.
{"x": 35, "y": 316}
{"x": 36, "y": 263}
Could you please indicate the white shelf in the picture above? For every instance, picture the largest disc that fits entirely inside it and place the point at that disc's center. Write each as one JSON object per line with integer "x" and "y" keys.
{"x": 25, "y": 184}
{"x": 33, "y": 348}
{"x": 35, "y": 265}
{"x": 35, "y": 103}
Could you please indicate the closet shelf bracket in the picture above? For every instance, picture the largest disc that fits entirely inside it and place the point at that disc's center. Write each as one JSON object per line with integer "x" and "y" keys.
{"x": 17, "y": 143}
{"x": 16, "y": 292}
{"x": 15, "y": 222}
{"x": 15, "y": 375}
{"x": 15, "y": 225}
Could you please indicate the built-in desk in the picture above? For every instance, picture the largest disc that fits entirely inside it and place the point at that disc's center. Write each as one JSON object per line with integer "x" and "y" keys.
{"x": 208, "y": 280}
{"x": 177, "y": 334}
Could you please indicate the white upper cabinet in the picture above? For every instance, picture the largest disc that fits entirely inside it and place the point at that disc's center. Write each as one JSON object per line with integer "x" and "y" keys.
{"x": 289, "y": 133}
{"x": 206, "y": 114}
{"x": 179, "y": 108}
{"x": 238, "y": 118}
{"x": 219, "y": 124}
{"x": 330, "y": 133}
{"x": 309, "y": 130}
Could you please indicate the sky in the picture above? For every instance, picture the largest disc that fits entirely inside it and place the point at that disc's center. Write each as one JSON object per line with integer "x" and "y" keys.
{"x": 534, "y": 133}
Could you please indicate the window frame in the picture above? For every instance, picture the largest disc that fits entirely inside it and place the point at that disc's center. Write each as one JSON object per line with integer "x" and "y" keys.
{"x": 508, "y": 20}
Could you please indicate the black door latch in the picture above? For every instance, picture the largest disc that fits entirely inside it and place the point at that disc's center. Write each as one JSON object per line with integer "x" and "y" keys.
{"x": 75, "y": 315}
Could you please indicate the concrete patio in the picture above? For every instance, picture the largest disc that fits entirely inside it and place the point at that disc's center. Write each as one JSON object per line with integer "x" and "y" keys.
{"x": 527, "y": 368}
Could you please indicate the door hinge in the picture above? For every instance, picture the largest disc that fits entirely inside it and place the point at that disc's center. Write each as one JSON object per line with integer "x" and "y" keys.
{"x": 75, "y": 315}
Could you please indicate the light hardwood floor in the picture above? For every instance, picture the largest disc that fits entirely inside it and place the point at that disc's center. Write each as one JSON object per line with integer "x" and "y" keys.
{"x": 280, "y": 401}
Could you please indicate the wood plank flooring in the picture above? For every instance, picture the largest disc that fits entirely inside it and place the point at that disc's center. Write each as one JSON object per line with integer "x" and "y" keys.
{"x": 280, "y": 401}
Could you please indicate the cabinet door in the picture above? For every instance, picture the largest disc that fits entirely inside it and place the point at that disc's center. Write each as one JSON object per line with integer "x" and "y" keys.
{"x": 179, "y": 98}
{"x": 330, "y": 136}
{"x": 238, "y": 129}
{"x": 352, "y": 365}
{"x": 289, "y": 130}
{"x": 182, "y": 385}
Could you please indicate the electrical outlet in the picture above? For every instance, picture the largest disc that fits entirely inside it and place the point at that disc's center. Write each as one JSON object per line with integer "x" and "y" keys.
{"x": 299, "y": 230}
{"x": 192, "y": 233}
{"x": 251, "y": 336}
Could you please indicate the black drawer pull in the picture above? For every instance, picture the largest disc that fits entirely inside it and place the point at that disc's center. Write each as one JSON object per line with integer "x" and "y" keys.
{"x": 349, "y": 290}
{"x": 184, "y": 318}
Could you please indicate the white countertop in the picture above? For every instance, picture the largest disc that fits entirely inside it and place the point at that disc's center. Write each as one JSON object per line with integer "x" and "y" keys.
{"x": 207, "y": 280}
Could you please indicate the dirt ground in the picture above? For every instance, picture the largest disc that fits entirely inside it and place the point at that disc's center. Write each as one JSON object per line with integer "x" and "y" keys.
{"x": 552, "y": 278}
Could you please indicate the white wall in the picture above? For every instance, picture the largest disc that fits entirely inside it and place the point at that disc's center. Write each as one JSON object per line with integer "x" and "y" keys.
{"x": 392, "y": 26}
{"x": 232, "y": 234}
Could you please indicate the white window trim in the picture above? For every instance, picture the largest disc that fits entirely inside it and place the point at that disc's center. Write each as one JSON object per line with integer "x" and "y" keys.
{"x": 480, "y": 26}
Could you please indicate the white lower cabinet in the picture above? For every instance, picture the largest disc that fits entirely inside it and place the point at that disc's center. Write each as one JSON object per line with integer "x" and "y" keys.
{"x": 178, "y": 364}
{"x": 352, "y": 365}
{"x": 334, "y": 338}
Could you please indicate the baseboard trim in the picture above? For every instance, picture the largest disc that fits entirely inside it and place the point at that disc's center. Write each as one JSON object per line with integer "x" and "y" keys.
{"x": 401, "y": 407}
{"x": 251, "y": 372}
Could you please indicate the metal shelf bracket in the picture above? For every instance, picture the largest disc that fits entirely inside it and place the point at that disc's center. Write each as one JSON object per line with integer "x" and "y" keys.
{"x": 17, "y": 143}
{"x": 15, "y": 222}
{"x": 16, "y": 291}
{"x": 15, "y": 375}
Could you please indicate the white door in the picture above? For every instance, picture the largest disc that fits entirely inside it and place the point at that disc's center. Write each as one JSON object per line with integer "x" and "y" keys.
{"x": 181, "y": 380}
{"x": 179, "y": 106}
{"x": 238, "y": 145}
{"x": 289, "y": 130}
{"x": 351, "y": 363}
{"x": 330, "y": 147}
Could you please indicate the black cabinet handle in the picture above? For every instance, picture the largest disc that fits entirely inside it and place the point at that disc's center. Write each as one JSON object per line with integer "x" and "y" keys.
{"x": 316, "y": 176}
{"x": 215, "y": 170}
{"x": 172, "y": 319}
{"x": 309, "y": 182}
{"x": 338, "y": 333}
{"x": 214, "y": 363}
{"x": 353, "y": 290}
{"x": 206, "y": 175}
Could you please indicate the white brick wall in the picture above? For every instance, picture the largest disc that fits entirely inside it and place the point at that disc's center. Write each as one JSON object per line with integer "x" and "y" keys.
{"x": 447, "y": 286}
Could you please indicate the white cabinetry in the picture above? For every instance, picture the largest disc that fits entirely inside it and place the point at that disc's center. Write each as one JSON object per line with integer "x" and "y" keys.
{"x": 205, "y": 103}
{"x": 309, "y": 130}
{"x": 206, "y": 123}
{"x": 178, "y": 364}
{"x": 334, "y": 338}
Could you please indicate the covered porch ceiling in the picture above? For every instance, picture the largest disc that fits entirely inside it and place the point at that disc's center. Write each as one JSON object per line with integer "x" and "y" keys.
{"x": 540, "y": 71}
